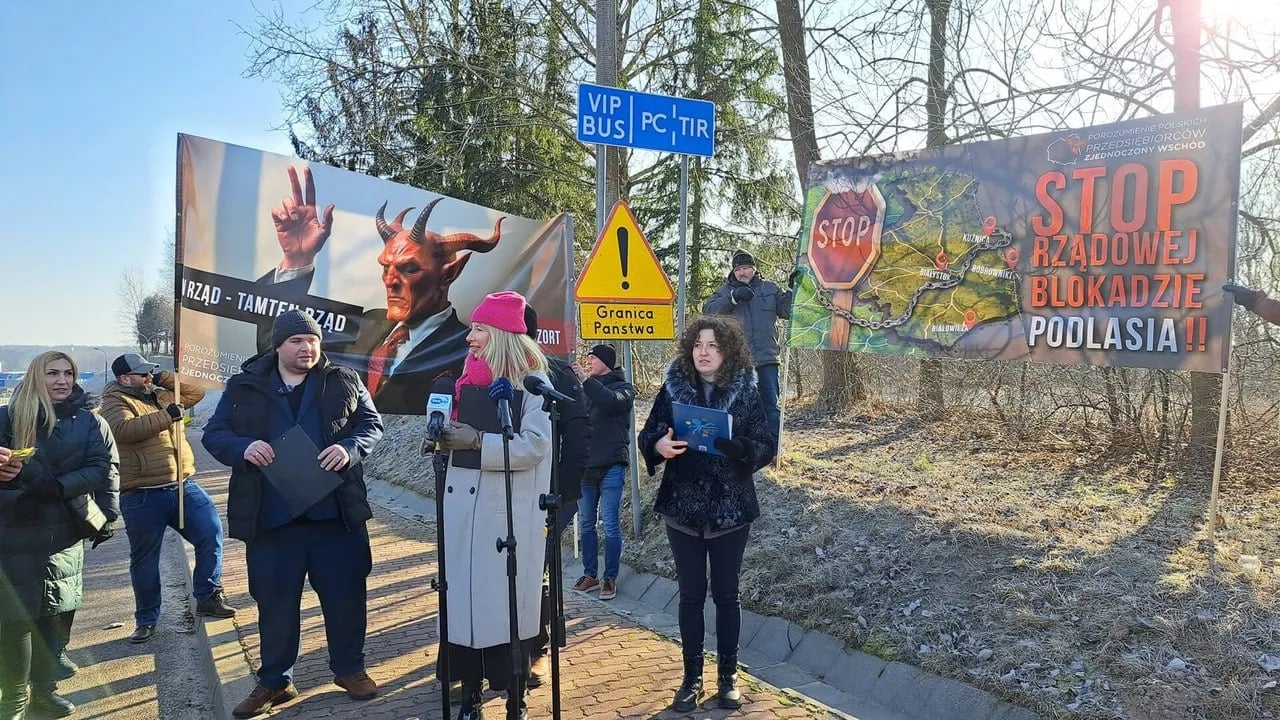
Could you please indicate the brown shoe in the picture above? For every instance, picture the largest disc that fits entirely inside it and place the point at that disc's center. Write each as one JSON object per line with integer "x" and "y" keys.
{"x": 539, "y": 669}
{"x": 263, "y": 699}
{"x": 609, "y": 590}
{"x": 359, "y": 686}
{"x": 586, "y": 583}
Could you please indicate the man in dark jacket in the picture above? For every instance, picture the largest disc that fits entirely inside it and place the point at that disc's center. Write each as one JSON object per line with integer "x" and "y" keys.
{"x": 295, "y": 384}
{"x": 609, "y": 399}
{"x": 145, "y": 419}
{"x": 757, "y": 304}
{"x": 574, "y": 434}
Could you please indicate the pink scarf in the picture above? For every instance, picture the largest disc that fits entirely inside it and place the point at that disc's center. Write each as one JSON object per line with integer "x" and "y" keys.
{"x": 475, "y": 371}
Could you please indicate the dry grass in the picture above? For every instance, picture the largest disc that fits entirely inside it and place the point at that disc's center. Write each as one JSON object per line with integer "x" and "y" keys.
{"x": 1056, "y": 576}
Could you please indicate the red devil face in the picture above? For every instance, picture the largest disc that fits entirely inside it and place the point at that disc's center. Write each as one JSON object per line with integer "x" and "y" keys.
{"x": 419, "y": 265}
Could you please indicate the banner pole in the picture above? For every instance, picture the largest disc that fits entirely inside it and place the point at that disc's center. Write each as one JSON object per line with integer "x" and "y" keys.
{"x": 176, "y": 432}
{"x": 1218, "y": 454}
{"x": 631, "y": 446}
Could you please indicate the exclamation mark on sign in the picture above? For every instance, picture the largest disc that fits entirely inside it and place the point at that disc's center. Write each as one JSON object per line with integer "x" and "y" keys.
{"x": 1197, "y": 333}
{"x": 622, "y": 254}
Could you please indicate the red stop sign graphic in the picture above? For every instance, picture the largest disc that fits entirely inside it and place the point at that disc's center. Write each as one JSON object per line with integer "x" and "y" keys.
{"x": 844, "y": 240}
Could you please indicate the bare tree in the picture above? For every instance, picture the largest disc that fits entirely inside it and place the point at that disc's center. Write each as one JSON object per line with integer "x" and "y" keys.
{"x": 131, "y": 296}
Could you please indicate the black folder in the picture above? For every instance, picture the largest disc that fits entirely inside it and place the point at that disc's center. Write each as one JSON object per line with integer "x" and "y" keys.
{"x": 477, "y": 410}
{"x": 296, "y": 473}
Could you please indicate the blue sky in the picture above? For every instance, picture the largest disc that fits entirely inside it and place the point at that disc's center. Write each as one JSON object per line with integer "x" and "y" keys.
{"x": 92, "y": 98}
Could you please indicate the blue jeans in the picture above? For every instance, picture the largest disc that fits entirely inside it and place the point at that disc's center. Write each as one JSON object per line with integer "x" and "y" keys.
{"x": 767, "y": 381}
{"x": 337, "y": 562}
{"x": 607, "y": 496}
{"x": 147, "y": 513}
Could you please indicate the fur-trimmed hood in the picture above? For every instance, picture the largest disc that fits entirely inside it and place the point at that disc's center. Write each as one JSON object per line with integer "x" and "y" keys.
{"x": 683, "y": 389}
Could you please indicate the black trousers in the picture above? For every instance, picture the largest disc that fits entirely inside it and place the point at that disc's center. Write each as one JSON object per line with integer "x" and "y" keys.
{"x": 27, "y": 652}
{"x": 691, "y": 555}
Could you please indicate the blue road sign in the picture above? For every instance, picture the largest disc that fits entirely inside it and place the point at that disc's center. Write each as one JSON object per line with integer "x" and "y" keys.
{"x": 612, "y": 116}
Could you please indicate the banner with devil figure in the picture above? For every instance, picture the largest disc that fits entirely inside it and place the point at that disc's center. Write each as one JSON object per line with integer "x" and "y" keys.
{"x": 390, "y": 272}
{"x": 1102, "y": 246}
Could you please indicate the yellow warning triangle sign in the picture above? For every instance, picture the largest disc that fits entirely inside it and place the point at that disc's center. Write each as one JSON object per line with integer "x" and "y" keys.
{"x": 622, "y": 267}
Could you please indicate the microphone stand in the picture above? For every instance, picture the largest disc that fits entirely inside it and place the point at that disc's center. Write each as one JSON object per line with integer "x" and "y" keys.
{"x": 515, "y": 693}
{"x": 551, "y": 503}
{"x": 440, "y": 463}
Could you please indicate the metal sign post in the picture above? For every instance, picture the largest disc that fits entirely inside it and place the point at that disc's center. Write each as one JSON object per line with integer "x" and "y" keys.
{"x": 665, "y": 123}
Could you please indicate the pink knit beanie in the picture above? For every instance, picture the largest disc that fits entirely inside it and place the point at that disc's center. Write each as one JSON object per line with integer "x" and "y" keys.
{"x": 502, "y": 310}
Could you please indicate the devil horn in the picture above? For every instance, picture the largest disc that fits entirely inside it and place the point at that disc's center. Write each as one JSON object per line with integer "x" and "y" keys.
{"x": 420, "y": 227}
{"x": 469, "y": 241}
{"x": 383, "y": 228}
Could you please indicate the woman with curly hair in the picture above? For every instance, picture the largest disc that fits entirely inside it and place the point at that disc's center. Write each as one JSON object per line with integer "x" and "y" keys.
{"x": 56, "y": 457}
{"x": 708, "y": 501}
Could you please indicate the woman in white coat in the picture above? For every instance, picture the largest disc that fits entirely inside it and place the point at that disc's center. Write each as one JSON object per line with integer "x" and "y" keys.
{"x": 475, "y": 507}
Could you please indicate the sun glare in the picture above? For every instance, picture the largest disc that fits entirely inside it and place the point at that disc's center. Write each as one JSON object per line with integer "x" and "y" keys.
{"x": 1259, "y": 15}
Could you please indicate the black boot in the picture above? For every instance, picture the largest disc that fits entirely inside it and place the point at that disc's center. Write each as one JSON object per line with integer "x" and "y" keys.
{"x": 690, "y": 691}
{"x": 727, "y": 692}
{"x": 472, "y": 705}
{"x": 46, "y": 702}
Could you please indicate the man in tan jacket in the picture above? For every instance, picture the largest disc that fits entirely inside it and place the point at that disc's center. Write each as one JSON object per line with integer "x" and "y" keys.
{"x": 146, "y": 421}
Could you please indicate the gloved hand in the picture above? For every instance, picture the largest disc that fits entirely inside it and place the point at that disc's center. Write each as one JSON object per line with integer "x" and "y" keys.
{"x": 733, "y": 448}
{"x": 741, "y": 294}
{"x": 460, "y": 436}
{"x": 1243, "y": 296}
{"x": 175, "y": 411}
{"x": 102, "y": 536}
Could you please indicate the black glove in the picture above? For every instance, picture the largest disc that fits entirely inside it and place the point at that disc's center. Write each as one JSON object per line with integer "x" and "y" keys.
{"x": 1243, "y": 296}
{"x": 741, "y": 294}
{"x": 175, "y": 411}
{"x": 733, "y": 448}
{"x": 102, "y": 536}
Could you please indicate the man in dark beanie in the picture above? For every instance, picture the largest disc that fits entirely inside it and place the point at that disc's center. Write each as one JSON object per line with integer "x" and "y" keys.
{"x": 288, "y": 540}
{"x": 574, "y": 433}
{"x": 609, "y": 399}
{"x": 757, "y": 304}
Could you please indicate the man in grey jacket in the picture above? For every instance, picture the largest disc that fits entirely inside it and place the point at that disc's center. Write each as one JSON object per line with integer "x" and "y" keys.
{"x": 757, "y": 304}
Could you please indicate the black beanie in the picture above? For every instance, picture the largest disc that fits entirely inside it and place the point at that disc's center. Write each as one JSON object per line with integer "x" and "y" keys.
{"x": 741, "y": 258}
{"x": 293, "y": 322}
{"x": 607, "y": 355}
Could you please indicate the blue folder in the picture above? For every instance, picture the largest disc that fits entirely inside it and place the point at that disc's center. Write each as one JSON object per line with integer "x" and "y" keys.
{"x": 700, "y": 426}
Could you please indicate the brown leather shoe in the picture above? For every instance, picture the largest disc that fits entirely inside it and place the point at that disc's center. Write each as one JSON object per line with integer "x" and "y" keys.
{"x": 539, "y": 670}
{"x": 263, "y": 699}
{"x": 359, "y": 686}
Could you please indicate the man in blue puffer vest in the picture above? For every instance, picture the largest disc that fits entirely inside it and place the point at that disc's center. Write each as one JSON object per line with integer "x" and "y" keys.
{"x": 295, "y": 384}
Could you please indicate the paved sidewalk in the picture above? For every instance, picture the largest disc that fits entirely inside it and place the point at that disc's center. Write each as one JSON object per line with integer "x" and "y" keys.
{"x": 612, "y": 667}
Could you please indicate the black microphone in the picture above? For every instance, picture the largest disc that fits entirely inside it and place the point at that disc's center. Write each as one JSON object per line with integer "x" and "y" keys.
{"x": 502, "y": 392}
{"x": 439, "y": 408}
{"x": 537, "y": 386}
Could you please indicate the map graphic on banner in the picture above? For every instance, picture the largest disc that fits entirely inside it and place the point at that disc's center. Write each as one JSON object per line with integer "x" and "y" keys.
{"x": 1102, "y": 246}
{"x": 389, "y": 271}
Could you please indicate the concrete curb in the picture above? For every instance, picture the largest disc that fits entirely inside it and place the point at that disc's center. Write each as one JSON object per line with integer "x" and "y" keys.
{"x": 181, "y": 557}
